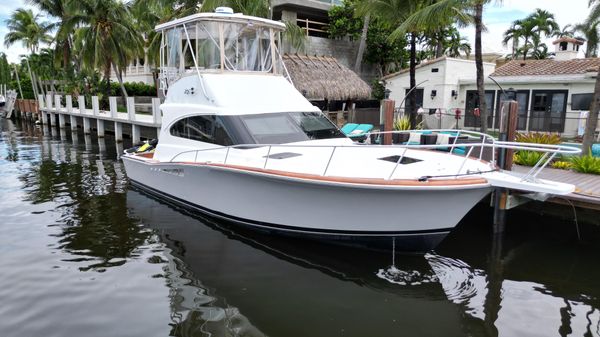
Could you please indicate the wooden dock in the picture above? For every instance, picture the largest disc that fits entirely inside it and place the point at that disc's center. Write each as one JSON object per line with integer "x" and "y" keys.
{"x": 51, "y": 107}
{"x": 587, "y": 193}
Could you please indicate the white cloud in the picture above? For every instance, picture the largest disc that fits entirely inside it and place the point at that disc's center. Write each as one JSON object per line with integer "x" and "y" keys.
{"x": 499, "y": 18}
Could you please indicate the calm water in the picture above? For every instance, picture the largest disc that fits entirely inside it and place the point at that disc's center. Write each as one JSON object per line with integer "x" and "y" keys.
{"x": 83, "y": 254}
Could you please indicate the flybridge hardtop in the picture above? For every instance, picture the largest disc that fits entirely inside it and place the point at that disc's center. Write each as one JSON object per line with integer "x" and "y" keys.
{"x": 240, "y": 143}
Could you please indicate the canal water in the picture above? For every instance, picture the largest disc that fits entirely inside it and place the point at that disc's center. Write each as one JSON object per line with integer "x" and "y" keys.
{"x": 84, "y": 254}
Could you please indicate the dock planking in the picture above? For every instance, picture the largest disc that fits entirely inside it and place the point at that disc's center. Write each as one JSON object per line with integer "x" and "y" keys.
{"x": 587, "y": 192}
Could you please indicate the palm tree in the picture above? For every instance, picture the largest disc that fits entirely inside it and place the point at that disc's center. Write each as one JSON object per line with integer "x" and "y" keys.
{"x": 395, "y": 13}
{"x": 592, "y": 119}
{"x": 566, "y": 31}
{"x": 512, "y": 34}
{"x": 591, "y": 36}
{"x": 464, "y": 12}
{"x": 24, "y": 26}
{"x": 455, "y": 44}
{"x": 63, "y": 38}
{"x": 106, "y": 37}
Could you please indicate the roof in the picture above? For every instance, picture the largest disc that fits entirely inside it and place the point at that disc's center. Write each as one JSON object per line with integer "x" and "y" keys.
{"x": 207, "y": 16}
{"x": 548, "y": 67}
{"x": 422, "y": 64}
{"x": 568, "y": 39}
{"x": 324, "y": 77}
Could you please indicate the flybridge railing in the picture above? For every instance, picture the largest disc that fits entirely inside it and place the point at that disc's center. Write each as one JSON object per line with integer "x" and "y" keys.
{"x": 484, "y": 141}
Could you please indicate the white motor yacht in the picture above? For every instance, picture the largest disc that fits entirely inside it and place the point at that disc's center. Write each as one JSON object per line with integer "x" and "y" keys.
{"x": 238, "y": 142}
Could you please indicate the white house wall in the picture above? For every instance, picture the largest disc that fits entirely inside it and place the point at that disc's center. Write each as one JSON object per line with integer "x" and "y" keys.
{"x": 451, "y": 73}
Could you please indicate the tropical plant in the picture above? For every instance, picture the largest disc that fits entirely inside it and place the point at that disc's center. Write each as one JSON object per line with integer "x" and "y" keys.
{"x": 103, "y": 26}
{"x": 455, "y": 44}
{"x": 591, "y": 35}
{"x": 24, "y": 26}
{"x": 530, "y": 29}
{"x": 538, "y": 138}
{"x": 566, "y": 31}
{"x": 527, "y": 158}
{"x": 403, "y": 123}
{"x": 343, "y": 22}
{"x": 586, "y": 164}
{"x": 562, "y": 165}
{"x": 63, "y": 39}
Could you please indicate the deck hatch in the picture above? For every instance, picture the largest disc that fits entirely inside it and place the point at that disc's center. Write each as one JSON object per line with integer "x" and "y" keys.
{"x": 283, "y": 155}
{"x": 405, "y": 160}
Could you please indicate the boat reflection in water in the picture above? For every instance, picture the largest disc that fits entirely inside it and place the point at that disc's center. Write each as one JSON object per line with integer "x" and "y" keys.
{"x": 283, "y": 286}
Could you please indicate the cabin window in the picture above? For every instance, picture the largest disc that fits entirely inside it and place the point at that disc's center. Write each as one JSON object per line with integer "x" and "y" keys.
{"x": 204, "y": 128}
{"x": 198, "y": 128}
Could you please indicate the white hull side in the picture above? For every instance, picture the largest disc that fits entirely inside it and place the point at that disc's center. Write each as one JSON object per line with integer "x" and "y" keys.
{"x": 299, "y": 206}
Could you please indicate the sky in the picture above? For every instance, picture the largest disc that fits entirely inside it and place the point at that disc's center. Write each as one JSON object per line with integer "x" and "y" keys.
{"x": 496, "y": 17}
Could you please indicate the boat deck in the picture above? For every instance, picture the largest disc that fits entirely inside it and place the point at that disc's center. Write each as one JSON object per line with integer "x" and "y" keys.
{"x": 587, "y": 192}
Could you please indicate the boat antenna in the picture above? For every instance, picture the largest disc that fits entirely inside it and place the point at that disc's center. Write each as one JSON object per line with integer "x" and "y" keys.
{"x": 499, "y": 86}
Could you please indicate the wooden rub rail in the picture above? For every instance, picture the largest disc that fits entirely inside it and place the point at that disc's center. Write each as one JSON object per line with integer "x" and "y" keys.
{"x": 50, "y": 106}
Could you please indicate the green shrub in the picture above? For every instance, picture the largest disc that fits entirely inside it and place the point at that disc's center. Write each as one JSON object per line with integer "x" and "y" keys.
{"x": 402, "y": 123}
{"x": 586, "y": 164}
{"x": 563, "y": 165}
{"x": 539, "y": 138}
{"x": 133, "y": 89}
{"x": 527, "y": 158}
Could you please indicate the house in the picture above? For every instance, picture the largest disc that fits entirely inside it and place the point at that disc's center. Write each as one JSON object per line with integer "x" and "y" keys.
{"x": 438, "y": 88}
{"x": 553, "y": 94}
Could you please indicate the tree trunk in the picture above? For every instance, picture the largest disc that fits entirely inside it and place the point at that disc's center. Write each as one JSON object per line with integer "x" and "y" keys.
{"x": 362, "y": 45}
{"x": 412, "y": 99}
{"x": 120, "y": 79}
{"x": 592, "y": 119}
{"x": 525, "y": 48}
{"x": 479, "y": 65}
{"x": 107, "y": 78}
{"x": 439, "y": 52}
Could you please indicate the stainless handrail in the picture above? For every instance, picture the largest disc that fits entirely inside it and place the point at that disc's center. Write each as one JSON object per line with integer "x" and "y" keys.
{"x": 487, "y": 142}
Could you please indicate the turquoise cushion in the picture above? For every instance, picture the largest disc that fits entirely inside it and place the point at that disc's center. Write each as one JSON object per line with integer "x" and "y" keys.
{"x": 460, "y": 151}
{"x": 349, "y": 127}
{"x": 596, "y": 150}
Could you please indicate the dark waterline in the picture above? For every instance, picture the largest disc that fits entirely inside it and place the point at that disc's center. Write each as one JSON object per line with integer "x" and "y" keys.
{"x": 83, "y": 254}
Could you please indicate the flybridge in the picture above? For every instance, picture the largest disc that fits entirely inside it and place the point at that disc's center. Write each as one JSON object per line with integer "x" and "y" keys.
{"x": 218, "y": 42}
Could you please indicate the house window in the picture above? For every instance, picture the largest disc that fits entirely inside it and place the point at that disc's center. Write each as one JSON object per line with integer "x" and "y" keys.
{"x": 581, "y": 101}
{"x": 475, "y": 121}
{"x": 418, "y": 93}
{"x": 548, "y": 110}
{"x": 563, "y": 46}
{"x": 522, "y": 101}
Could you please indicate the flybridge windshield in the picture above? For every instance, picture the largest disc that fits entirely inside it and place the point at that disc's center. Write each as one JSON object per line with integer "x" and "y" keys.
{"x": 206, "y": 45}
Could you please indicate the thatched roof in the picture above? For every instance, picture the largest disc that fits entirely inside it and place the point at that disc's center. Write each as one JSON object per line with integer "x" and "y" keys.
{"x": 321, "y": 77}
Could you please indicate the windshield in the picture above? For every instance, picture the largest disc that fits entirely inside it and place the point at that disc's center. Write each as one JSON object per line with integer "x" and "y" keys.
{"x": 277, "y": 128}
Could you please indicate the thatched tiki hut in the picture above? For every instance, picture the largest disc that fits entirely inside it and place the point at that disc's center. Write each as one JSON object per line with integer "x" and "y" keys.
{"x": 324, "y": 78}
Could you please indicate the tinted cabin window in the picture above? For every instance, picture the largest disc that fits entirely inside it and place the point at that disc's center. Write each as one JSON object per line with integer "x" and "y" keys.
{"x": 206, "y": 129}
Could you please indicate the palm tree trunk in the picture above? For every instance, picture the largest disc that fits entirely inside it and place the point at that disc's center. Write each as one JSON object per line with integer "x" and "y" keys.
{"x": 120, "y": 79}
{"x": 362, "y": 45}
{"x": 412, "y": 99}
{"x": 592, "y": 119}
{"x": 525, "y": 48}
{"x": 479, "y": 65}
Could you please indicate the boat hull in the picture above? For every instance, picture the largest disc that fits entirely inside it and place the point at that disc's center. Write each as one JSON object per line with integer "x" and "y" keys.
{"x": 416, "y": 219}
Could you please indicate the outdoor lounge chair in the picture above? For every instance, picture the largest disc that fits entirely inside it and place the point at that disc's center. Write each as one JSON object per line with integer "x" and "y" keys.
{"x": 357, "y": 132}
